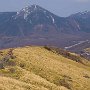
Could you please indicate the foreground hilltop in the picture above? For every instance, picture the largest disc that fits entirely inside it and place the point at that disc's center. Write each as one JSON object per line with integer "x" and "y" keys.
{"x": 43, "y": 68}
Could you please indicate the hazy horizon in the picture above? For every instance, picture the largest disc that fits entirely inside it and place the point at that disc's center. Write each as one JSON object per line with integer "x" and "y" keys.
{"x": 58, "y": 7}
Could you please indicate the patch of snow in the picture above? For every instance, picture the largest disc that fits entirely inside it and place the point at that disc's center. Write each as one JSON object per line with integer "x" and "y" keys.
{"x": 78, "y": 26}
{"x": 52, "y": 18}
{"x": 81, "y": 42}
{"x": 83, "y": 13}
{"x": 25, "y": 16}
{"x": 24, "y": 9}
{"x": 87, "y": 54}
{"x": 27, "y": 7}
{"x": 45, "y": 12}
{"x": 35, "y": 6}
{"x": 26, "y": 13}
{"x": 18, "y": 13}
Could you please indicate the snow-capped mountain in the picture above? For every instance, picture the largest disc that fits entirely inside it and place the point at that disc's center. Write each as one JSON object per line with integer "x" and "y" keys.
{"x": 34, "y": 11}
{"x": 28, "y": 20}
{"x": 35, "y": 14}
{"x": 36, "y": 25}
{"x": 82, "y": 14}
{"x": 83, "y": 19}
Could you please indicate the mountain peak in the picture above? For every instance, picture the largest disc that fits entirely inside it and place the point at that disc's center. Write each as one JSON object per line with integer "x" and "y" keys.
{"x": 28, "y": 10}
{"x": 83, "y": 14}
{"x": 35, "y": 13}
{"x": 32, "y": 7}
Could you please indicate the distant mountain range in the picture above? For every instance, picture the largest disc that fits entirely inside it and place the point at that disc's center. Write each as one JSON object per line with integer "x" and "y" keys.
{"x": 33, "y": 25}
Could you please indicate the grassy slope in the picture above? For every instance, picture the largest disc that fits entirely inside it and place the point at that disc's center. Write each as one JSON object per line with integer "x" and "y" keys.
{"x": 87, "y": 49}
{"x": 36, "y": 68}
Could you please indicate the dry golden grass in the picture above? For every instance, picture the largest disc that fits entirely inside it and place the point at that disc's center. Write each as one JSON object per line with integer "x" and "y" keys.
{"x": 87, "y": 49}
{"x": 39, "y": 69}
{"x": 7, "y": 83}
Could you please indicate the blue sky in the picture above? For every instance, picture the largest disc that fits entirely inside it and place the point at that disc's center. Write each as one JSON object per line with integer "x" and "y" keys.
{"x": 58, "y": 7}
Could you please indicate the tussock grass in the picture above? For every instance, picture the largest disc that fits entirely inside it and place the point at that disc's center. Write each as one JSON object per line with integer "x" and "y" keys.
{"x": 12, "y": 84}
{"x": 37, "y": 68}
